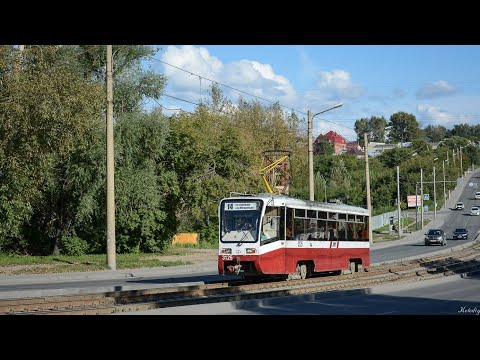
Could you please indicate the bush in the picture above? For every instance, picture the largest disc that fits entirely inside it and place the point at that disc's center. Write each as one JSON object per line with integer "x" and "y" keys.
{"x": 74, "y": 246}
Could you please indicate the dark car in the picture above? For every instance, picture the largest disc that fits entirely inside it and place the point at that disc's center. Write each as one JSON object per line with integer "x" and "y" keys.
{"x": 460, "y": 233}
{"x": 435, "y": 236}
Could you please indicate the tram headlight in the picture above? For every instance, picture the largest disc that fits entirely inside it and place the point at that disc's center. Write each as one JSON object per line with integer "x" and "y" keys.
{"x": 251, "y": 251}
{"x": 226, "y": 251}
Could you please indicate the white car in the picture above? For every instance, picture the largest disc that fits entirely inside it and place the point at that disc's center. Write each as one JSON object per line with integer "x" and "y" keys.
{"x": 475, "y": 211}
{"x": 477, "y": 195}
{"x": 459, "y": 206}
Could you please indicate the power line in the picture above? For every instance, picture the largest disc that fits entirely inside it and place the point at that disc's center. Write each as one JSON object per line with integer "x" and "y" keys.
{"x": 227, "y": 86}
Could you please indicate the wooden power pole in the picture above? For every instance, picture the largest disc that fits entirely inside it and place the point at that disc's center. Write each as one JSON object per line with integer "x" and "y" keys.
{"x": 111, "y": 251}
{"x": 369, "y": 201}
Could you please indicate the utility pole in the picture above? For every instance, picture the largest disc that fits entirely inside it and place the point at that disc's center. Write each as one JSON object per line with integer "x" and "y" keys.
{"x": 461, "y": 161}
{"x": 325, "y": 185}
{"x": 444, "y": 193}
{"x": 310, "y": 156}
{"x": 367, "y": 180}
{"x": 434, "y": 196}
{"x": 310, "y": 149}
{"x": 421, "y": 197}
{"x": 416, "y": 205}
{"x": 398, "y": 202}
{"x": 111, "y": 251}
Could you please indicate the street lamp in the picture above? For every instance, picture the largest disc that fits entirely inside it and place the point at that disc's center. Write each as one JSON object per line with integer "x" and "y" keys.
{"x": 434, "y": 193}
{"x": 310, "y": 149}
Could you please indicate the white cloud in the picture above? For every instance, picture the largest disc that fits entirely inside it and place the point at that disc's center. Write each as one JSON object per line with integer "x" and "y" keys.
{"x": 246, "y": 75}
{"x": 436, "y": 89}
{"x": 431, "y": 115}
{"x": 339, "y": 84}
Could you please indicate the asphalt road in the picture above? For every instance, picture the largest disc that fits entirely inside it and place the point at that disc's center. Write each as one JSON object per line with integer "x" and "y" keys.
{"x": 451, "y": 220}
{"x": 444, "y": 296}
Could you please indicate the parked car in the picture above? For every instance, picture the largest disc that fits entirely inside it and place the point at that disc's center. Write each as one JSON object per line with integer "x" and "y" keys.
{"x": 477, "y": 195}
{"x": 460, "y": 233}
{"x": 475, "y": 210}
{"x": 435, "y": 236}
{"x": 459, "y": 206}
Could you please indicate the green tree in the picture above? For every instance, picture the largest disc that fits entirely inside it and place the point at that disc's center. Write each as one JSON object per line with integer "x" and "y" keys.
{"x": 436, "y": 133}
{"x": 322, "y": 146}
{"x": 404, "y": 127}
{"x": 340, "y": 180}
{"x": 47, "y": 112}
{"x": 145, "y": 222}
{"x": 133, "y": 83}
{"x": 373, "y": 127}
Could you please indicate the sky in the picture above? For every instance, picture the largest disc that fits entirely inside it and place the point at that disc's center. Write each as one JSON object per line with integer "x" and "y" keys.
{"x": 439, "y": 84}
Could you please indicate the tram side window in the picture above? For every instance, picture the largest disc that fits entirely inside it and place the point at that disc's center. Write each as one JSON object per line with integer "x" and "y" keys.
{"x": 299, "y": 213}
{"x": 289, "y": 225}
{"x": 341, "y": 230}
{"x": 322, "y": 230}
{"x": 350, "y": 232}
{"x": 332, "y": 231}
{"x": 270, "y": 225}
{"x": 300, "y": 232}
{"x": 312, "y": 229}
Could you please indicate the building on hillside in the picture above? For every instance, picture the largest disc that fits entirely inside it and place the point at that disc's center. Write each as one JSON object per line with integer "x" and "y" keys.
{"x": 376, "y": 148}
{"x": 338, "y": 141}
{"x": 353, "y": 148}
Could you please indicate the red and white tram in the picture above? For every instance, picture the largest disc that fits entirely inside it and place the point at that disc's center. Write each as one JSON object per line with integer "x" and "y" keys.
{"x": 270, "y": 234}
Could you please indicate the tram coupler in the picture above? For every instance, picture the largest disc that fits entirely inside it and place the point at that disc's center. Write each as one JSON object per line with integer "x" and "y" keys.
{"x": 235, "y": 268}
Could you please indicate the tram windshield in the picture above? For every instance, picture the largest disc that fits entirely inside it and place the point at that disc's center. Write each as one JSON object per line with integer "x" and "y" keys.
{"x": 240, "y": 220}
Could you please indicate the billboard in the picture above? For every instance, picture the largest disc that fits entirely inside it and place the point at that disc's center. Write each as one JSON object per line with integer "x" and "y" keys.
{"x": 411, "y": 200}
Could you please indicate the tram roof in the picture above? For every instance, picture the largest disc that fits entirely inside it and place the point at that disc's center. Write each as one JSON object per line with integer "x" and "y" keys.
{"x": 281, "y": 200}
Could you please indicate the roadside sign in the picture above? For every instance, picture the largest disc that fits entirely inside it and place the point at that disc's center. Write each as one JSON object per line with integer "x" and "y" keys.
{"x": 425, "y": 208}
{"x": 426, "y": 196}
{"x": 411, "y": 200}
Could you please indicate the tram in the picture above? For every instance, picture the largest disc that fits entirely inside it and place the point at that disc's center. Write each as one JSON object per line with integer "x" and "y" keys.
{"x": 277, "y": 235}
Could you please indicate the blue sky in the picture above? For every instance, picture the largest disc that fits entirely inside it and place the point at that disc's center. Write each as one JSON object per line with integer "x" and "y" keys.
{"x": 439, "y": 84}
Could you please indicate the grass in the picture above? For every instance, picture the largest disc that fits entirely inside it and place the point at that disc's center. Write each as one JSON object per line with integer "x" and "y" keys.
{"x": 16, "y": 264}
{"x": 407, "y": 224}
{"x": 201, "y": 245}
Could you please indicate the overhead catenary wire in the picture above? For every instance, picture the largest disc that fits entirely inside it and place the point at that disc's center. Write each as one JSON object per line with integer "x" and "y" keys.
{"x": 225, "y": 85}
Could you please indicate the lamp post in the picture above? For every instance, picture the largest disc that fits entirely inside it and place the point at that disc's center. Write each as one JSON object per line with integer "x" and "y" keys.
{"x": 434, "y": 193}
{"x": 310, "y": 149}
{"x": 421, "y": 197}
{"x": 398, "y": 202}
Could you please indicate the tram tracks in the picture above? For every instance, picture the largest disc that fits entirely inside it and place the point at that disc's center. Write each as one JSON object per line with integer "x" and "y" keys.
{"x": 463, "y": 261}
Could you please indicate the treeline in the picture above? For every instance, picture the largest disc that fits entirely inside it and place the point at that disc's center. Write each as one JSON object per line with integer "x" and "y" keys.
{"x": 170, "y": 171}
{"x": 404, "y": 127}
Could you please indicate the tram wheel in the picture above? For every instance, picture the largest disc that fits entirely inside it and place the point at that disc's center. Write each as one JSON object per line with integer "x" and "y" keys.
{"x": 303, "y": 271}
{"x": 352, "y": 267}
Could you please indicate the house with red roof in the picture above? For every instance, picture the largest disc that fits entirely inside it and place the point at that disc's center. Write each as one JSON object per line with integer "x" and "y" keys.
{"x": 338, "y": 141}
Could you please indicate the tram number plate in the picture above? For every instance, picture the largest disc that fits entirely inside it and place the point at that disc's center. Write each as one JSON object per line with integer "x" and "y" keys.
{"x": 227, "y": 257}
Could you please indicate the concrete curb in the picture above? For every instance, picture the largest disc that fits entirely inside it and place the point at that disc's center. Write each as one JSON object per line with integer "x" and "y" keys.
{"x": 444, "y": 251}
